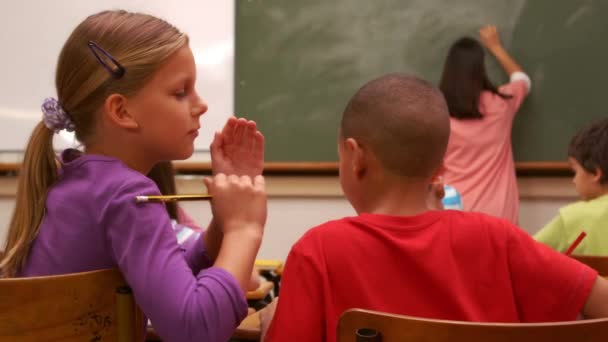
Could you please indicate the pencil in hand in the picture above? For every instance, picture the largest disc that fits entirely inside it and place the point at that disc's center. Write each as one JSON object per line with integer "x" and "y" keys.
{"x": 576, "y": 243}
{"x": 172, "y": 198}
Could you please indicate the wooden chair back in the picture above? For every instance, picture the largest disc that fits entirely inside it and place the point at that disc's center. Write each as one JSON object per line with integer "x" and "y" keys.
{"x": 598, "y": 263}
{"x": 363, "y": 325}
{"x": 88, "y": 306}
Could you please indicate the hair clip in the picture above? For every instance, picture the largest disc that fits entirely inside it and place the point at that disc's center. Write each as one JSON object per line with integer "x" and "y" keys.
{"x": 118, "y": 71}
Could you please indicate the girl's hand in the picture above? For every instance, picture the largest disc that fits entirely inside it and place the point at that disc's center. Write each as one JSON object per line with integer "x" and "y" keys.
{"x": 489, "y": 37}
{"x": 239, "y": 208}
{"x": 238, "y": 204}
{"x": 238, "y": 149}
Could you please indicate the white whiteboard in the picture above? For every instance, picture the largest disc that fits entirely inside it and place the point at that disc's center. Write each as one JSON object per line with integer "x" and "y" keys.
{"x": 32, "y": 33}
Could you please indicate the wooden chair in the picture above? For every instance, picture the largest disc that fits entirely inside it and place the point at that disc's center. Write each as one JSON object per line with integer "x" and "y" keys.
{"x": 88, "y": 306}
{"x": 598, "y": 263}
{"x": 271, "y": 270}
{"x": 383, "y": 327}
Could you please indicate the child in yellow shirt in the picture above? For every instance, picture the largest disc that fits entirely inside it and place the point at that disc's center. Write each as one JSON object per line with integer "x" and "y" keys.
{"x": 588, "y": 156}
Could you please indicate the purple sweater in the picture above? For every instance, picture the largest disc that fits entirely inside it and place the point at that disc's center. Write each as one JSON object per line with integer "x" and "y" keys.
{"x": 93, "y": 222}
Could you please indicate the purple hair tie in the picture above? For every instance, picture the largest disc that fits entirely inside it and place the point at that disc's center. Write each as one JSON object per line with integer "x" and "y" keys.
{"x": 54, "y": 117}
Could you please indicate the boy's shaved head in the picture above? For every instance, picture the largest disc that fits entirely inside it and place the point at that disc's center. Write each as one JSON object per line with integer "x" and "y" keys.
{"x": 403, "y": 120}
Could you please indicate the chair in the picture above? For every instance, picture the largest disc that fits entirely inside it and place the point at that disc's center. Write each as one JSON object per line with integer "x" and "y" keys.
{"x": 88, "y": 306}
{"x": 598, "y": 263}
{"x": 383, "y": 327}
{"x": 271, "y": 270}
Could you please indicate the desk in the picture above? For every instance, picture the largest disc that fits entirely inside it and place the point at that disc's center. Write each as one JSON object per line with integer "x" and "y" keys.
{"x": 268, "y": 265}
{"x": 248, "y": 330}
{"x": 262, "y": 291}
{"x": 271, "y": 270}
{"x": 259, "y": 298}
{"x": 598, "y": 263}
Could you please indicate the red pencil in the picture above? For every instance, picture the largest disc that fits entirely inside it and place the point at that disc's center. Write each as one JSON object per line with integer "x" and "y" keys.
{"x": 576, "y": 243}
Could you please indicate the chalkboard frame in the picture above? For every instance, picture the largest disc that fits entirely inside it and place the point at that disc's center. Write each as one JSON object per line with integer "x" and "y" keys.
{"x": 523, "y": 169}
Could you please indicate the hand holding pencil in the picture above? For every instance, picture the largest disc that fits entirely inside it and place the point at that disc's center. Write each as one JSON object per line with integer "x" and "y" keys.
{"x": 173, "y": 198}
{"x": 227, "y": 186}
{"x": 238, "y": 201}
{"x": 239, "y": 210}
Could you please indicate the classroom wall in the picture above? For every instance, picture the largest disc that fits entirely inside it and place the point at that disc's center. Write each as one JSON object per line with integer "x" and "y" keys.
{"x": 298, "y": 203}
{"x": 36, "y": 30}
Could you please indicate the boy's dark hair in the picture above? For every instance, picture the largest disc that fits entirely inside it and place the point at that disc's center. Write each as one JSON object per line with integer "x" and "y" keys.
{"x": 590, "y": 148}
{"x": 464, "y": 77}
{"x": 405, "y": 122}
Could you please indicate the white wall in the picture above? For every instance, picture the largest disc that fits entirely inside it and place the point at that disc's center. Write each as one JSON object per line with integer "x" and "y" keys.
{"x": 292, "y": 212}
{"x": 298, "y": 203}
{"x": 30, "y": 55}
{"x": 6, "y": 210}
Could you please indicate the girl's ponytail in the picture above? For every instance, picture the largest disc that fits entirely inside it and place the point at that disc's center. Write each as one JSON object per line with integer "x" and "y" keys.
{"x": 38, "y": 172}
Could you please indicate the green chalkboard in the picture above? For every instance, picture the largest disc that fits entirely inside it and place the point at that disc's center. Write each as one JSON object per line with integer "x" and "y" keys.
{"x": 298, "y": 62}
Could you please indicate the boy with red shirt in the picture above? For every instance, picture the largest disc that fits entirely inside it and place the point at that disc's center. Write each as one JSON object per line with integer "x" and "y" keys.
{"x": 399, "y": 257}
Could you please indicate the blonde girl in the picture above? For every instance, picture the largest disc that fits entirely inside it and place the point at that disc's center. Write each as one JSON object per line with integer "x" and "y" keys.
{"x": 125, "y": 86}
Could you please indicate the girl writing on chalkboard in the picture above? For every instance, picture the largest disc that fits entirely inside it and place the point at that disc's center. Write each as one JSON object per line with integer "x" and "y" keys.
{"x": 125, "y": 86}
{"x": 479, "y": 159}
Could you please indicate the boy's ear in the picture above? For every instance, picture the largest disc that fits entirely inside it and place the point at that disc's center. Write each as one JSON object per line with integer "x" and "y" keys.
{"x": 597, "y": 175}
{"x": 438, "y": 175}
{"x": 116, "y": 111}
{"x": 358, "y": 156}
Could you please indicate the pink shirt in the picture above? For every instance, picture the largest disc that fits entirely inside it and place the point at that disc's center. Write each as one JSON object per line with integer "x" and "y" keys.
{"x": 479, "y": 159}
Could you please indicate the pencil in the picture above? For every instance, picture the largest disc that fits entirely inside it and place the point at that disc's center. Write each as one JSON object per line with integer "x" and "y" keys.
{"x": 172, "y": 198}
{"x": 576, "y": 243}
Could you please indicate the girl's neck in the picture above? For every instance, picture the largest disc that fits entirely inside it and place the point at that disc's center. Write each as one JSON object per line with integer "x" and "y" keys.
{"x": 135, "y": 161}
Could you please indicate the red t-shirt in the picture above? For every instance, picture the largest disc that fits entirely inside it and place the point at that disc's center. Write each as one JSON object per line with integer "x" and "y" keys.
{"x": 440, "y": 264}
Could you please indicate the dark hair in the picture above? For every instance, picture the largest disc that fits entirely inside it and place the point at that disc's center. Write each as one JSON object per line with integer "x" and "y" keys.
{"x": 590, "y": 148}
{"x": 163, "y": 175}
{"x": 464, "y": 78}
{"x": 403, "y": 120}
